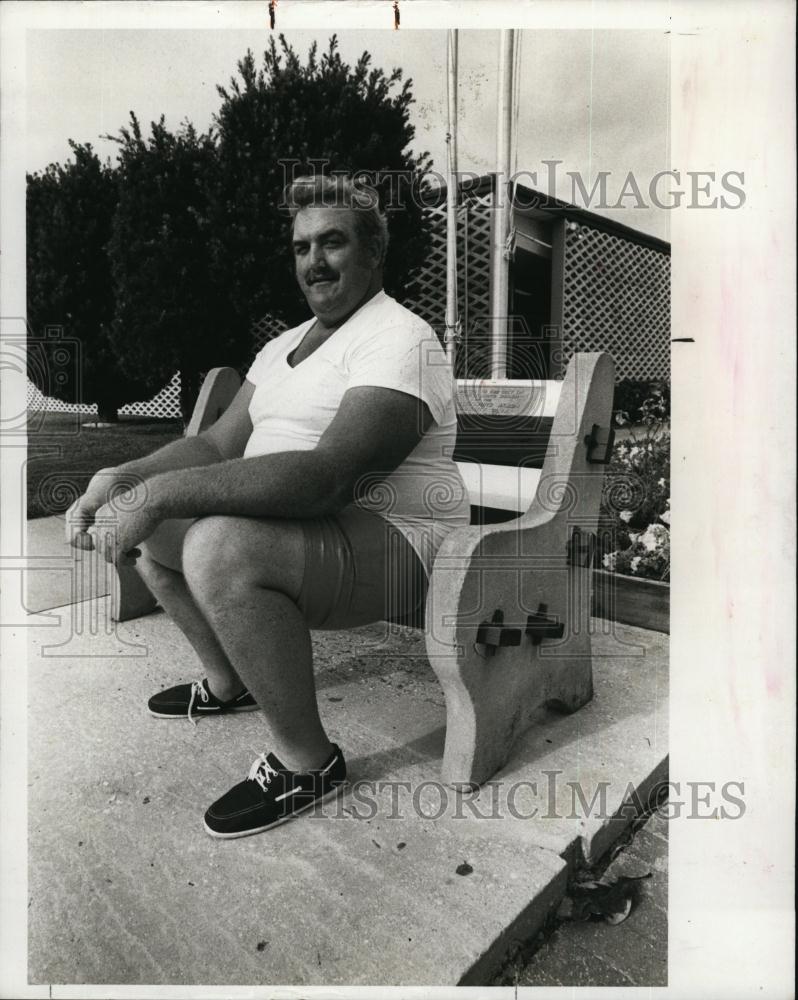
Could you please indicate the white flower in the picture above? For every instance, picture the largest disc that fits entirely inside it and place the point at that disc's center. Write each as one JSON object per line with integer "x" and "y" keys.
{"x": 635, "y": 563}
{"x": 609, "y": 561}
{"x": 661, "y": 483}
{"x": 653, "y": 537}
{"x": 649, "y": 540}
{"x": 625, "y": 516}
{"x": 666, "y": 517}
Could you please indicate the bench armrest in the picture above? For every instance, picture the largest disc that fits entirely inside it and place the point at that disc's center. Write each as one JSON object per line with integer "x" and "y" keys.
{"x": 218, "y": 391}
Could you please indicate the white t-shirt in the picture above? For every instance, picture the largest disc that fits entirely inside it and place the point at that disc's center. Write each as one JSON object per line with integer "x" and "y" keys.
{"x": 382, "y": 344}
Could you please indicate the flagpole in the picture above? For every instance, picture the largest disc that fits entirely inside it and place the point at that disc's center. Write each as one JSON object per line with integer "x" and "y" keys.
{"x": 452, "y": 322}
{"x": 502, "y": 209}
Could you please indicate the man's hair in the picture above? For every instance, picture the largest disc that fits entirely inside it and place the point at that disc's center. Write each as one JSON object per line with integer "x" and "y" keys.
{"x": 341, "y": 191}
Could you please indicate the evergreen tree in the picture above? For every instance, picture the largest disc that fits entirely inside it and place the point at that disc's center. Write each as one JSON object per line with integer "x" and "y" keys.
{"x": 288, "y": 119}
{"x": 170, "y": 316}
{"x": 70, "y": 208}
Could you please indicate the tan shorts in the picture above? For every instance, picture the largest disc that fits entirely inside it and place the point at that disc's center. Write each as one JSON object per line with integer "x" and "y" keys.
{"x": 358, "y": 569}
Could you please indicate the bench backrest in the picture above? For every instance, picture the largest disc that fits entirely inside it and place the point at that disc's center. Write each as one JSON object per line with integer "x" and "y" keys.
{"x": 506, "y": 429}
{"x": 503, "y": 434}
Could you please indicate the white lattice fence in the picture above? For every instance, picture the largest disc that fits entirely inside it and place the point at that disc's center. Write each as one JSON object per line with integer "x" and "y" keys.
{"x": 165, "y": 405}
{"x": 264, "y": 330}
{"x": 38, "y": 401}
{"x": 617, "y": 299}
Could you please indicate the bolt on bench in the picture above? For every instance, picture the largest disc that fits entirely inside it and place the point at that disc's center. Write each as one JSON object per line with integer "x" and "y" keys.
{"x": 508, "y": 609}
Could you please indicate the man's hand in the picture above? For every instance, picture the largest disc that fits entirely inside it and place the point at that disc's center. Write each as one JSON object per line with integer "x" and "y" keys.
{"x": 120, "y": 526}
{"x": 100, "y": 491}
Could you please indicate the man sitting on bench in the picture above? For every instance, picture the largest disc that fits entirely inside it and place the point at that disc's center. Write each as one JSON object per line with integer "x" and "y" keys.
{"x": 317, "y": 501}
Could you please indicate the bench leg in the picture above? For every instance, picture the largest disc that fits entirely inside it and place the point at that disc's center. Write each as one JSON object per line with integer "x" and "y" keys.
{"x": 485, "y": 717}
{"x": 493, "y": 691}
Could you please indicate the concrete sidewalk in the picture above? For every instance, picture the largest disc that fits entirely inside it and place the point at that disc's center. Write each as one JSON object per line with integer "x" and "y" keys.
{"x": 400, "y": 881}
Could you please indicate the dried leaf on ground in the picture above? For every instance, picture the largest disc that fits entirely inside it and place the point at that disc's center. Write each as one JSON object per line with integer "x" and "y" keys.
{"x": 609, "y": 899}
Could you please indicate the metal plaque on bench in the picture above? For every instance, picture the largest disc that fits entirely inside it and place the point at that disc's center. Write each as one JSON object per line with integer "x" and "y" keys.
{"x": 501, "y": 398}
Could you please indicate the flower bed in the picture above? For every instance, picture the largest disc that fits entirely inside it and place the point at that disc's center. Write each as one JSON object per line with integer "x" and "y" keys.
{"x": 634, "y": 526}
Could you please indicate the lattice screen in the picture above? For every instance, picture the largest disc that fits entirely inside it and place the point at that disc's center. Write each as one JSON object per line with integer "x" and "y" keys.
{"x": 617, "y": 299}
{"x": 427, "y": 289}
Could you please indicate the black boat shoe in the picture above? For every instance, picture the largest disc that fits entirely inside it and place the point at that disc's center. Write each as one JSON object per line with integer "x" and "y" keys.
{"x": 272, "y": 794}
{"x": 190, "y": 700}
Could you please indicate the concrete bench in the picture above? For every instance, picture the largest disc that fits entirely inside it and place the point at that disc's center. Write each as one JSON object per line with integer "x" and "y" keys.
{"x": 507, "y": 615}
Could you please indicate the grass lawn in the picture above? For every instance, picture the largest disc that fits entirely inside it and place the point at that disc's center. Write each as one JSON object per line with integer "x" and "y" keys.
{"x": 64, "y": 453}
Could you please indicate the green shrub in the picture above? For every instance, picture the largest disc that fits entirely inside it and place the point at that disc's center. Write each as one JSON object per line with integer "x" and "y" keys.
{"x": 638, "y": 402}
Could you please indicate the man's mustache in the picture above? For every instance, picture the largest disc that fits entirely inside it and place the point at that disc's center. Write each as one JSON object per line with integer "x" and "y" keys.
{"x": 315, "y": 276}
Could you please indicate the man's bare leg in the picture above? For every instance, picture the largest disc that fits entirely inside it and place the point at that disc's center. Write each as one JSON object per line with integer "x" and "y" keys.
{"x": 169, "y": 587}
{"x": 245, "y": 576}
{"x": 271, "y": 645}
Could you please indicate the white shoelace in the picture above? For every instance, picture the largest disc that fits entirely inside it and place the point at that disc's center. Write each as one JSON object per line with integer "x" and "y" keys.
{"x": 261, "y": 771}
{"x": 197, "y": 688}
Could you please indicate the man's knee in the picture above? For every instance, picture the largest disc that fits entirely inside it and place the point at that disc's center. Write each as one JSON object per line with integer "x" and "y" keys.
{"x": 217, "y": 556}
{"x": 165, "y": 544}
{"x": 223, "y": 556}
{"x": 209, "y": 554}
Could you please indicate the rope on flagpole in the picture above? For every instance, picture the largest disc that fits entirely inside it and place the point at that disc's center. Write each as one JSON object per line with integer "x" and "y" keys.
{"x": 453, "y": 325}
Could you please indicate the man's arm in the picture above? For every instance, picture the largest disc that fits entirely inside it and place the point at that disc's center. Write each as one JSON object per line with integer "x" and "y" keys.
{"x": 372, "y": 433}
